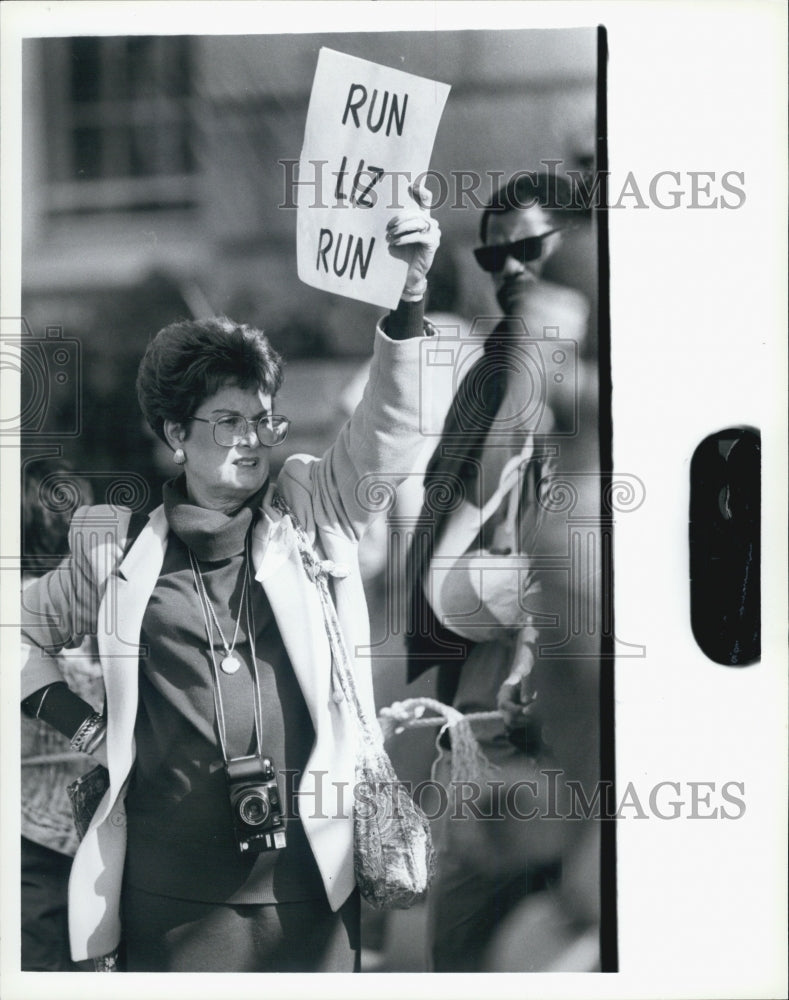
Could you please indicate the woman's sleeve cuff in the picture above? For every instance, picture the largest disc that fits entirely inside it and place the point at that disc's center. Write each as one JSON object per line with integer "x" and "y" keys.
{"x": 406, "y": 321}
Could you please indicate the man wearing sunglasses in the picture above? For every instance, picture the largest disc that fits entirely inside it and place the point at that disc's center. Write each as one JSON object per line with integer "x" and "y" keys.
{"x": 487, "y": 866}
{"x": 520, "y": 230}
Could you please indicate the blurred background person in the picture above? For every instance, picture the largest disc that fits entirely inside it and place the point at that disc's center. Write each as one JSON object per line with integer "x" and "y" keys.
{"x": 557, "y": 930}
{"x": 50, "y": 494}
{"x": 498, "y": 443}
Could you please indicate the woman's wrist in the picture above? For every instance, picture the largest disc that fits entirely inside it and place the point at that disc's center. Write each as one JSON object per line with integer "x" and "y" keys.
{"x": 406, "y": 321}
{"x": 416, "y": 292}
{"x": 90, "y": 735}
{"x": 58, "y": 706}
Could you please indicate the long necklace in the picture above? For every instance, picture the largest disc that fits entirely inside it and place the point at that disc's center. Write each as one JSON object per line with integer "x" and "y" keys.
{"x": 230, "y": 662}
{"x": 245, "y": 606}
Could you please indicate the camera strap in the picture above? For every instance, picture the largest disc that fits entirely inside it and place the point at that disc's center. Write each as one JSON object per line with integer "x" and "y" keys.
{"x": 208, "y": 614}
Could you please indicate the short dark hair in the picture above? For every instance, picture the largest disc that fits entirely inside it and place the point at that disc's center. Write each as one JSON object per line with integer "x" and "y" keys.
{"x": 187, "y": 362}
{"x": 525, "y": 189}
{"x": 51, "y": 492}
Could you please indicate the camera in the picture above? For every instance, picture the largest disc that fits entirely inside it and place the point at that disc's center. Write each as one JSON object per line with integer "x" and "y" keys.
{"x": 50, "y": 379}
{"x": 255, "y": 801}
{"x": 542, "y": 365}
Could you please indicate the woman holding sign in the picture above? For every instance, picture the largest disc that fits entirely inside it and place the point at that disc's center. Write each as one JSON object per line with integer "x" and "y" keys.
{"x": 225, "y": 840}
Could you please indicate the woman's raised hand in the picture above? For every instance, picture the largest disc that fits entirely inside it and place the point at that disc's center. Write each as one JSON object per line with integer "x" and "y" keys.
{"x": 413, "y": 236}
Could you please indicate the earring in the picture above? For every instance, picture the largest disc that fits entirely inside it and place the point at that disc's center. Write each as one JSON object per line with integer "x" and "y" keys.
{"x": 179, "y": 456}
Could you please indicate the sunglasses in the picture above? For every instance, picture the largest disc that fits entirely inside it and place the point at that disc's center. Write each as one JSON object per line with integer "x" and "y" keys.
{"x": 493, "y": 258}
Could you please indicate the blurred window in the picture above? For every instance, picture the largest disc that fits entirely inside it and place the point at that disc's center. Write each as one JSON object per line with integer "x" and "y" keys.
{"x": 122, "y": 134}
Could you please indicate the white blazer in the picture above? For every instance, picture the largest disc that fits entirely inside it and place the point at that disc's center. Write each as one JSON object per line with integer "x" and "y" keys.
{"x": 334, "y": 497}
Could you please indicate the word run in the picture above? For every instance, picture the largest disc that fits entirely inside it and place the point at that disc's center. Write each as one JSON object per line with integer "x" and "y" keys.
{"x": 327, "y": 239}
{"x": 357, "y": 98}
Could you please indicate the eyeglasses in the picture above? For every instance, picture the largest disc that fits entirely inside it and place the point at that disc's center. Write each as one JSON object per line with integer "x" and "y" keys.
{"x": 271, "y": 429}
{"x": 493, "y": 258}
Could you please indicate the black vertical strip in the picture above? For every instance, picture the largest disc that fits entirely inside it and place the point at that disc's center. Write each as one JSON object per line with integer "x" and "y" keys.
{"x": 609, "y": 951}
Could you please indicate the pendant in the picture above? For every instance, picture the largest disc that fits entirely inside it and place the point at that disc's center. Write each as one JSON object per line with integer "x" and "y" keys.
{"x": 230, "y": 664}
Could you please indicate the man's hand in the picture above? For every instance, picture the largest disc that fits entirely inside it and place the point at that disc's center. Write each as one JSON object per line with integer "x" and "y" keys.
{"x": 413, "y": 236}
{"x": 514, "y": 702}
{"x": 516, "y": 695}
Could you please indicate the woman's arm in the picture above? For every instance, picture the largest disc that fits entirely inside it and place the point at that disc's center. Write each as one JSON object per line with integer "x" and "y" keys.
{"x": 58, "y": 610}
{"x": 58, "y": 706}
{"x": 406, "y": 321}
{"x": 378, "y": 446}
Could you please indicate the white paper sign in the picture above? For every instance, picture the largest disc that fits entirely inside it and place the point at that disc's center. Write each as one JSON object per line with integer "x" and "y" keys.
{"x": 369, "y": 134}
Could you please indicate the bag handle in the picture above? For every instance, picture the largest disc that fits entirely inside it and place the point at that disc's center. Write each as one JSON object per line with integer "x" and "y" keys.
{"x": 318, "y": 570}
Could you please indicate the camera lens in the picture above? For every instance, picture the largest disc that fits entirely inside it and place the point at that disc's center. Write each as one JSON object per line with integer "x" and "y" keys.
{"x": 253, "y": 808}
